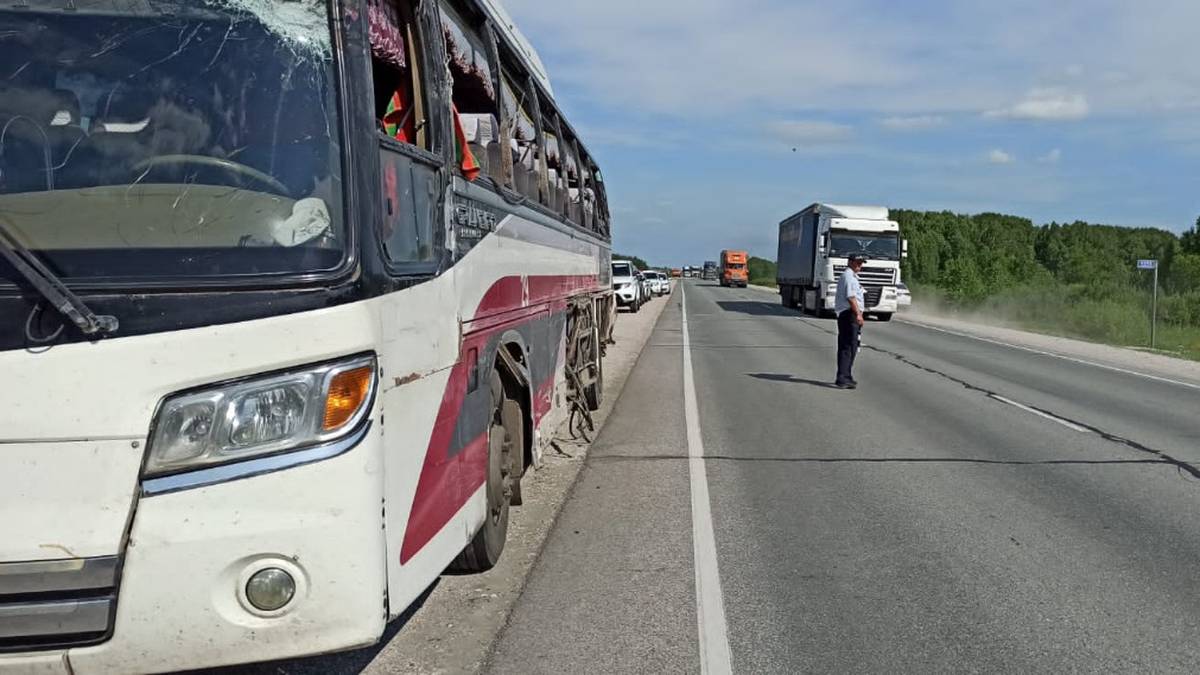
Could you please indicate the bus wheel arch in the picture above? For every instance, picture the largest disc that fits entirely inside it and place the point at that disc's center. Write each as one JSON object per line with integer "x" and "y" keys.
{"x": 512, "y": 366}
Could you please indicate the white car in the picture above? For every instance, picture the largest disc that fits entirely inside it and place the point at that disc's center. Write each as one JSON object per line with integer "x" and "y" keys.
{"x": 627, "y": 286}
{"x": 664, "y": 283}
{"x": 659, "y": 283}
{"x": 903, "y": 297}
{"x": 647, "y": 285}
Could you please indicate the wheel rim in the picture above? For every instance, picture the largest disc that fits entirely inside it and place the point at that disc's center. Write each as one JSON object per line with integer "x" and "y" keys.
{"x": 499, "y": 478}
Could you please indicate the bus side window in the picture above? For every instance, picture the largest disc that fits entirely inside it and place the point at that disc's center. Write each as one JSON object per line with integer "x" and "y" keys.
{"x": 552, "y": 165}
{"x": 520, "y": 133}
{"x": 572, "y": 188}
{"x": 394, "y": 68}
{"x": 473, "y": 104}
{"x": 603, "y": 217}
{"x": 409, "y": 216}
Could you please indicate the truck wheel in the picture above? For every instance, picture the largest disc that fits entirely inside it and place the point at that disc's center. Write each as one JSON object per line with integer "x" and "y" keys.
{"x": 485, "y": 548}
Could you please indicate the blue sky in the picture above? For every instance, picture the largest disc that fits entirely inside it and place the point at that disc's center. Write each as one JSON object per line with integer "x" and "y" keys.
{"x": 714, "y": 119}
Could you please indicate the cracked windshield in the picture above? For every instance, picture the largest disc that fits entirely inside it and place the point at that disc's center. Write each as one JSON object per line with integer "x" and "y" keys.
{"x": 557, "y": 337}
{"x": 152, "y": 139}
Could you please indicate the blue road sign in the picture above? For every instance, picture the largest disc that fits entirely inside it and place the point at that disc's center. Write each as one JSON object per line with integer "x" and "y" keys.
{"x": 1147, "y": 264}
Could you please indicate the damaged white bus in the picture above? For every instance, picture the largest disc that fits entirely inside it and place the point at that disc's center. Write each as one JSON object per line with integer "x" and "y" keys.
{"x": 291, "y": 295}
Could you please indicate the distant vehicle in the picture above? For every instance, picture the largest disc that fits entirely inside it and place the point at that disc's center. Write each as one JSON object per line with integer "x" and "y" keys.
{"x": 660, "y": 283}
{"x": 733, "y": 268}
{"x": 676, "y": 272}
{"x": 814, "y": 245}
{"x": 647, "y": 283}
{"x": 627, "y": 285}
{"x": 710, "y": 270}
{"x": 903, "y": 297}
{"x": 688, "y": 271}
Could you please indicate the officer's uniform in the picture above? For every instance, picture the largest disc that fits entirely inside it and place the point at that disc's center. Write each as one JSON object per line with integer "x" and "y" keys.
{"x": 848, "y": 330}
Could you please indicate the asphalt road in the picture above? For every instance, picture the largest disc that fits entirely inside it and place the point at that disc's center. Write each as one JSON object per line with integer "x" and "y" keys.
{"x": 971, "y": 507}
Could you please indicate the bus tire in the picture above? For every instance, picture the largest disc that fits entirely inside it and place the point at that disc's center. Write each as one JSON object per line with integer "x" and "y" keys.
{"x": 485, "y": 548}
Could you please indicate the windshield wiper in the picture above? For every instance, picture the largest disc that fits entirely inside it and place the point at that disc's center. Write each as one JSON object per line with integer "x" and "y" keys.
{"x": 52, "y": 288}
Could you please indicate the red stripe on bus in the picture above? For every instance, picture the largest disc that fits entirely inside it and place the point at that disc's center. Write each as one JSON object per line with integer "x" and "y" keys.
{"x": 543, "y": 400}
{"x": 446, "y": 482}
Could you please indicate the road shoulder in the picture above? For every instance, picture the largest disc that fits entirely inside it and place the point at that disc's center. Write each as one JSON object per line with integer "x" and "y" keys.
{"x": 613, "y": 590}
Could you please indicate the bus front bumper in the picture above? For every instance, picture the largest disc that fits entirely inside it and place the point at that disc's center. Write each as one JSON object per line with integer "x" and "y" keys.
{"x": 182, "y": 601}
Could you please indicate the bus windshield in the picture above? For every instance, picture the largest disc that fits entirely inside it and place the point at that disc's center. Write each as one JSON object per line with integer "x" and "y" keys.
{"x": 877, "y": 245}
{"x": 160, "y": 140}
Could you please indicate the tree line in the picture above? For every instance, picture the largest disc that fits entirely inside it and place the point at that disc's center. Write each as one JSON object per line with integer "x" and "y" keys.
{"x": 1080, "y": 277}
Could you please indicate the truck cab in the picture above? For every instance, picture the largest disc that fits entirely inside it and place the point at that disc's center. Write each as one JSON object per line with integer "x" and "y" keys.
{"x": 814, "y": 246}
{"x": 734, "y": 270}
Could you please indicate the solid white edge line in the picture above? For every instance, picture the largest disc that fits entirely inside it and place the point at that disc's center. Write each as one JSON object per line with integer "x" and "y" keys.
{"x": 1042, "y": 352}
{"x": 1066, "y": 423}
{"x": 715, "y": 656}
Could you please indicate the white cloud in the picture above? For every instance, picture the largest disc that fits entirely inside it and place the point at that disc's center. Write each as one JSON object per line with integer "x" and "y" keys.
{"x": 690, "y": 58}
{"x": 998, "y": 156}
{"x": 809, "y": 131}
{"x": 1052, "y": 157}
{"x": 1046, "y": 104}
{"x": 912, "y": 122}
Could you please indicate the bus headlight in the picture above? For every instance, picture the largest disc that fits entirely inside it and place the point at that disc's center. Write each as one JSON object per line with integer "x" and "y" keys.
{"x": 260, "y": 415}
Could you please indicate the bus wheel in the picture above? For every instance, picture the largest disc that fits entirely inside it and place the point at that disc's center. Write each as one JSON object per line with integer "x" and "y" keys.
{"x": 485, "y": 548}
{"x": 593, "y": 394}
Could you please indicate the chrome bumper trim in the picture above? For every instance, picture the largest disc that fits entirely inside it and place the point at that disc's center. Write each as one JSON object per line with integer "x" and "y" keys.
{"x": 252, "y": 467}
{"x": 59, "y": 618}
{"x": 57, "y": 576}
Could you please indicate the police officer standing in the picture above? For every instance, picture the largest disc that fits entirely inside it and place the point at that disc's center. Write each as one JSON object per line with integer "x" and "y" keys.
{"x": 849, "y": 306}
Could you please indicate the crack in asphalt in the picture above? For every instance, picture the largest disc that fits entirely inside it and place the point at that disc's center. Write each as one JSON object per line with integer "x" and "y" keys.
{"x": 881, "y": 460}
{"x": 1180, "y": 465}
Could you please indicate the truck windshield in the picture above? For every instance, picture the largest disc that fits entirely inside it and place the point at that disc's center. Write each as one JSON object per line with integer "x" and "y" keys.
{"x": 151, "y": 139}
{"x": 878, "y": 245}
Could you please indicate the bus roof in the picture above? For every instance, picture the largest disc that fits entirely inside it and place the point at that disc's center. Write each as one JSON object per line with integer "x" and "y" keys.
{"x": 508, "y": 28}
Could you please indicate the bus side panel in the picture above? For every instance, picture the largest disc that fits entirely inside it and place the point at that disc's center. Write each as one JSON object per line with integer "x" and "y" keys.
{"x": 512, "y": 285}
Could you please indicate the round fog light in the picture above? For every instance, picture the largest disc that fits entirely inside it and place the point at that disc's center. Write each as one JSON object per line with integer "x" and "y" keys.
{"x": 270, "y": 589}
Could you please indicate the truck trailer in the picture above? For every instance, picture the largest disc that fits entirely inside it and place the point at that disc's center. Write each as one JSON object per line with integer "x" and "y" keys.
{"x": 710, "y": 270}
{"x": 814, "y": 245}
{"x": 733, "y": 268}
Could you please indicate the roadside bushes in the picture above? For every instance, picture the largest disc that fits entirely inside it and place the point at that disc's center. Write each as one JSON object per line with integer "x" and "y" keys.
{"x": 1076, "y": 279}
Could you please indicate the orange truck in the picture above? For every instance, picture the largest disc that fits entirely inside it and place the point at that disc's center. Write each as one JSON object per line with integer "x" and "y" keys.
{"x": 733, "y": 268}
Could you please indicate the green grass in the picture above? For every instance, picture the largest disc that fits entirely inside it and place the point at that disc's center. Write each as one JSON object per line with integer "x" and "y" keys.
{"x": 1121, "y": 319}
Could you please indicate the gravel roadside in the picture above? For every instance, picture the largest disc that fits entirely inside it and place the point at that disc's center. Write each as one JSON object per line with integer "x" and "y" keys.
{"x": 452, "y": 627}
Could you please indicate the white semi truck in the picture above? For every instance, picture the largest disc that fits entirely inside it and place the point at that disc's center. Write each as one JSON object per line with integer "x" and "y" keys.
{"x": 814, "y": 246}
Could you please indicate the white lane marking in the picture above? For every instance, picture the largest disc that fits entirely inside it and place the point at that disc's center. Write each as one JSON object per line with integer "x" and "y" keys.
{"x": 710, "y": 603}
{"x": 1066, "y": 423}
{"x": 1053, "y": 354}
